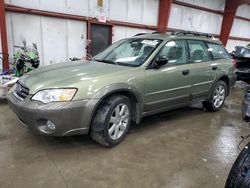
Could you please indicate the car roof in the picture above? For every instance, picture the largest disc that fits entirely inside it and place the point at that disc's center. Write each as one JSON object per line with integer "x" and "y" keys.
{"x": 166, "y": 36}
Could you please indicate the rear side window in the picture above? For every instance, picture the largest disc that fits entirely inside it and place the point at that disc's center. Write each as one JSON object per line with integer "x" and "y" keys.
{"x": 198, "y": 51}
{"x": 218, "y": 51}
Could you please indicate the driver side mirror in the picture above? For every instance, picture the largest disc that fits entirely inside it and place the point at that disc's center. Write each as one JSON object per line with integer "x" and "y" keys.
{"x": 161, "y": 60}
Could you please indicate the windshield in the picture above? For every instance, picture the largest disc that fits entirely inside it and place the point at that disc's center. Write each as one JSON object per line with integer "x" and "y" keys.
{"x": 129, "y": 52}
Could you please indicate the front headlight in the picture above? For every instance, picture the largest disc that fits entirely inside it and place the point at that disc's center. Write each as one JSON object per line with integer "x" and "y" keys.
{"x": 55, "y": 95}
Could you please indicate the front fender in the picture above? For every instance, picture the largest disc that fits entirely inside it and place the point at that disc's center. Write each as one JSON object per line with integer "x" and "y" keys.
{"x": 109, "y": 90}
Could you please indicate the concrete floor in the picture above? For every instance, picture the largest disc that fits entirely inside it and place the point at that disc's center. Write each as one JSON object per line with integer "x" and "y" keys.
{"x": 185, "y": 148}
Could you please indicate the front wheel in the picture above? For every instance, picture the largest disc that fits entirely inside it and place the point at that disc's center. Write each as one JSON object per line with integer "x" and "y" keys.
{"x": 111, "y": 121}
{"x": 217, "y": 98}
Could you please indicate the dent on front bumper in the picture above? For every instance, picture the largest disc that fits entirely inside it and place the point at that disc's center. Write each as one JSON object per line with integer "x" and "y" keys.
{"x": 70, "y": 118}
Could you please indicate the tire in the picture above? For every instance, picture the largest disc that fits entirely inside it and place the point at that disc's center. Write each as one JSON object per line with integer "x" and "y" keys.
{"x": 239, "y": 176}
{"x": 219, "y": 94}
{"x": 111, "y": 121}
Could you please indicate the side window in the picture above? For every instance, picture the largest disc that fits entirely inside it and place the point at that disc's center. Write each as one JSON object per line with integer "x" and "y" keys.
{"x": 175, "y": 51}
{"x": 198, "y": 51}
{"x": 218, "y": 51}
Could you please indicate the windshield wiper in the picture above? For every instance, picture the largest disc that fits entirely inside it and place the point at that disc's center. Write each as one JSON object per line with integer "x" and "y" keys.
{"x": 106, "y": 61}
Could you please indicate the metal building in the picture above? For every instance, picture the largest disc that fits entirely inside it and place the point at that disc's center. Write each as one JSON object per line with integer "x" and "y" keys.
{"x": 62, "y": 28}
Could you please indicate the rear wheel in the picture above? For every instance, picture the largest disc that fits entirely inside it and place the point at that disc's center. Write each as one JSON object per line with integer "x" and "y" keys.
{"x": 217, "y": 97}
{"x": 111, "y": 121}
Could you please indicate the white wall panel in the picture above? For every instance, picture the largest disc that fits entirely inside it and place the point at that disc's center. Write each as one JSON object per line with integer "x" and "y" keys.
{"x": 195, "y": 20}
{"x": 134, "y": 11}
{"x": 57, "y": 39}
{"x": 18, "y": 32}
{"x": 9, "y": 35}
{"x": 135, "y": 16}
{"x": 125, "y": 32}
{"x": 118, "y": 10}
{"x": 232, "y": 43}
{"x": 150, "y": 12}
{"x": 76, "y": 38}
{"x": 94, "y": 10}
{"x": 26, "y": 3}
{"x": 55, "y": 5}
{"x": 243, "y": 11}
{"x": 78, "y": 7}
{"x": 54, "y": 32}
{"x": 240, "y": 28}
{"x": 1, "y": 64}
{"x": 212, "y": 4}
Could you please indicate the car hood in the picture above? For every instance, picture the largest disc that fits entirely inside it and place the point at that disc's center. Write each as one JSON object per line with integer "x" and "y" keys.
{"x": 68, "y": 74}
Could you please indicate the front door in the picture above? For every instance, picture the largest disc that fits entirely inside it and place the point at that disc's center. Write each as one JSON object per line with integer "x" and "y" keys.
{"x": 100, "y": 38}
{"x": 168, "y": 86}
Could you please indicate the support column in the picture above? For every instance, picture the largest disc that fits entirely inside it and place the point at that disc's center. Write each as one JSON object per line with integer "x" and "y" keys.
{"x": 228, "y": 20}
{"x": 163, "y": 16}
{"x": 4, "y": 36}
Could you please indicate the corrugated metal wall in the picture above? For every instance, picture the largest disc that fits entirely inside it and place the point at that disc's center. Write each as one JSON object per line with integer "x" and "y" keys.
{"x": 124, "y": 32}
{"x": 135, "y": 11}
{"x": 197, "y": 20}
{"x": 202, "y": 21}
{"x": 240, "y": 28}
{"x": 212, "y": 4}
{"x": 194, "y": 20}
{"x": 1, "y": 65}
{"x": 60, "y": 39}
{"x": 57, "y": 39}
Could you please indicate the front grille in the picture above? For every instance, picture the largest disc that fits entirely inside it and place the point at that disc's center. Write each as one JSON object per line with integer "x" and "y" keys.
{"x": 21, "y": 91}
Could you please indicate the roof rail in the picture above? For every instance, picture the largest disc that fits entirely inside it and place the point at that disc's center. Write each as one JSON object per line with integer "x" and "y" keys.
{"x": 138, "y": 34}
{"x": 192, "y": 33}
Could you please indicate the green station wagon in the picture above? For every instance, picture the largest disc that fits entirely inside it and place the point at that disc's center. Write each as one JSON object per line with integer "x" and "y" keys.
{"x": 133, "y": 78}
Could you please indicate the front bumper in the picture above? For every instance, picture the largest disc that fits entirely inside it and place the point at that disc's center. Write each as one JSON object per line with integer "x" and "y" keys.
{"x": 70, "y": 118}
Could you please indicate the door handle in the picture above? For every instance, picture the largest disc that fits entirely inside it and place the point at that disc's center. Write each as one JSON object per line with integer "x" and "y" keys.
{"x": 185, "y": 72}
{"x": 214, "y": 67}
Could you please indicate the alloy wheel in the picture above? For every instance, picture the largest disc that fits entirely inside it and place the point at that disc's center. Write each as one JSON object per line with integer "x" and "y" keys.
{"x": 219, "y": 96}
{"x": 118, "y": 121}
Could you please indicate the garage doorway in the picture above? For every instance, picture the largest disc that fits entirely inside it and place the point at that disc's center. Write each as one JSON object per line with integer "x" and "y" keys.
{"x": 101, "y": 37}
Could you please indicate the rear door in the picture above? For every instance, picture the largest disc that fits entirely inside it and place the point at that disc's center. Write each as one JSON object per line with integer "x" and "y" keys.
{"x": 203, "y": 70}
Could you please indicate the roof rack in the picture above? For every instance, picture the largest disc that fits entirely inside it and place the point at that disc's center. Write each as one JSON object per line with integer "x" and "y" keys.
{"x": 192, "y": 33}
{"x": 138, "y": 34}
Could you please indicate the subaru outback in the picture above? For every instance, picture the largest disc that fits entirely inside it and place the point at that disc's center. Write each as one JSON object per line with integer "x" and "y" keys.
{"x": 133, "y": 78}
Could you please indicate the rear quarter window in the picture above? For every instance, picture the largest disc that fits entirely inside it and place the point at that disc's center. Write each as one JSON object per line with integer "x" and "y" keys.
{"x": 218, "y": 51}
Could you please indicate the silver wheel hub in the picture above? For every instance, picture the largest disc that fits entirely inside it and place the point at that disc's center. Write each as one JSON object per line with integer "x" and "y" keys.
{"x": 119, "y": 121}
{"x": 219, "y": 96}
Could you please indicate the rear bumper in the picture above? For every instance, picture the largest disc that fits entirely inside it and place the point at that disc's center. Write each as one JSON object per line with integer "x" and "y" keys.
{"x": 243, "y": 74}
{"x": 69, "y": 118}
